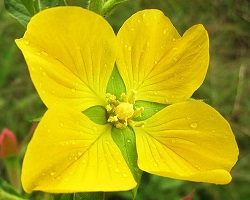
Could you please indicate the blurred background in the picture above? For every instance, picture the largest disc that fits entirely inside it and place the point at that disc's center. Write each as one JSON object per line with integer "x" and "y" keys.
{"x": 226, "y": 88}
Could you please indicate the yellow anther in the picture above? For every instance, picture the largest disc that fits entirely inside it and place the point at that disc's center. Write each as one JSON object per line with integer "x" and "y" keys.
{"x": 120, "y": 114}
{"x": 138, "y": 112}
{"x": 124, "y": 111}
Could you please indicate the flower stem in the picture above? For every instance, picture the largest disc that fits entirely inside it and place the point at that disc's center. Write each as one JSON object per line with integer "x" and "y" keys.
{"x": 12, "y": 165}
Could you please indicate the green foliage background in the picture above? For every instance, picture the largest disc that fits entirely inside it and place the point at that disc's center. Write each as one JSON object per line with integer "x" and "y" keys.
{"x": 227, "y": 86}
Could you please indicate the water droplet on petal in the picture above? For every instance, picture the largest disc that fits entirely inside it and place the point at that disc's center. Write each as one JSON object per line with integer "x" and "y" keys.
{"x": 164, "y": 31}
{"x": 193, "y": 125}
{"x": 84, "y": 161}
{"x": 52, "y": 173}
{"x": 211, "y": 117}
{"x": 124, "y": 175}
{"x": 44, "y": 53}
{"x": 73, "y": 90}
{"x": 107, "y": 142}
{"x": 26, "y": 42}
{"x": 197, "y": 167}
{"x": 167, "y": 100}
{"x": 117, "y": 170}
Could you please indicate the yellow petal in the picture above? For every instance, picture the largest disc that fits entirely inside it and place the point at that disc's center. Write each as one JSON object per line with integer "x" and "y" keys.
{"x": 159, "y": 64}
{"x": 70, "y": 153}
{"x": 70, "y": 53}
{"x": 189, "y": 141}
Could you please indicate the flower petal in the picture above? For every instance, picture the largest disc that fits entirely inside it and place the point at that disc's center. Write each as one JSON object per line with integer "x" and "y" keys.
{"x": 189, "y": 141}
{"x": 159, "y": 64}
{"x": 70, "y": 53}
{"x": 70, "y": 153}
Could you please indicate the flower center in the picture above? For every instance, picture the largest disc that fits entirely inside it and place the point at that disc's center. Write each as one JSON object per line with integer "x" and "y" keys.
{"x": 124, "y": 111}
{"x": 121, "y": 113}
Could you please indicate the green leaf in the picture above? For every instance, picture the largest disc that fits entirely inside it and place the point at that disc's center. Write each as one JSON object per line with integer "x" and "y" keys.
{"x": 36, "y": 120}
{"x": 90, "y": 196}
{"x": 96, "y": 114}
{"x": 63, "y": 196}
{"x": 116, "y": 85}
{"x": 80, "y": 196}
{"x": 125, "y": 140}
{"x": 96, "y": 6}
{"x": 18, "y": 10}
{"x": 23, "y": 10}
{"x": 29, "y": 4}
{"x": 44, "y": 4}
{"x": 150, "y": 108}
{"x": 7, "y": 192}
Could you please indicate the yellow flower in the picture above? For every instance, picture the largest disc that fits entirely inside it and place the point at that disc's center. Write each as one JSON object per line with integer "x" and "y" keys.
{"x": 71, "y": 54}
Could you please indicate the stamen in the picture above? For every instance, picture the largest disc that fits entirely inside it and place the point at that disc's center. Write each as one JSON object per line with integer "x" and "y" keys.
{"x": 120, "y": 114}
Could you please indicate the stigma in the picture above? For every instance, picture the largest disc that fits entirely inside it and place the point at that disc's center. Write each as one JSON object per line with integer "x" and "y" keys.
{"x": 121, "y": 113}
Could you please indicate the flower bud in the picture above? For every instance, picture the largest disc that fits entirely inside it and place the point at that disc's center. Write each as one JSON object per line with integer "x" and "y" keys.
{"x": 8, "y": 143}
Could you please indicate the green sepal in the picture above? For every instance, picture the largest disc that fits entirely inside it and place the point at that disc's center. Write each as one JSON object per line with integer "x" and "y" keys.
{"x": 150, "y": 108}
{"x": 104, "y": 7}
{"x": 125, "y": 140}
{"x": 116, "y": 85}
{"x": 96, "y": 114}
{"x": 80, "y": 196}
{"x": 110, "y": 6}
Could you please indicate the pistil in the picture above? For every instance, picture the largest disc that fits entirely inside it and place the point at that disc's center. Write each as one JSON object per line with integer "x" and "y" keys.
{"x": 121, "y": 113}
